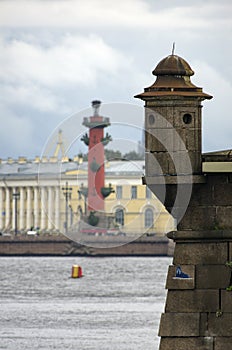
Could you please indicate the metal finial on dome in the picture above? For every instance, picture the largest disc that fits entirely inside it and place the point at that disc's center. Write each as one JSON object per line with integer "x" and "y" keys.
{"x": 96, "y": 105}
{"x": 173, "y": 48}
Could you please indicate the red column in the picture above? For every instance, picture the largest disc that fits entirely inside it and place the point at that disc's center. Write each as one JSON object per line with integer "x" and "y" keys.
{"x": 96, "y": 173}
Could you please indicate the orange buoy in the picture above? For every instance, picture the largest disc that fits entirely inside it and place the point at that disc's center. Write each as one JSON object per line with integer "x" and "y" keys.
{"x": 80, "y": 271}
{"x": 76, "y": 271}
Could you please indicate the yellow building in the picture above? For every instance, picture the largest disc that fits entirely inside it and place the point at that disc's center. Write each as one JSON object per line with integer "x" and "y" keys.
{"x": 44, "y": 195}
{"x": 134, "y": 206}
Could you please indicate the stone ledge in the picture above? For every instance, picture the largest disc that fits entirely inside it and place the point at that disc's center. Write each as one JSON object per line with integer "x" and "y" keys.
{"x": 187, "y": 179}
{"x": 209, "y": 235}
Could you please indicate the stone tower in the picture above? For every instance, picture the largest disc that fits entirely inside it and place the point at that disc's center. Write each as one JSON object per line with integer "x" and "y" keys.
{"x": 175, "y": 98}
{"x": 196, "y": 188}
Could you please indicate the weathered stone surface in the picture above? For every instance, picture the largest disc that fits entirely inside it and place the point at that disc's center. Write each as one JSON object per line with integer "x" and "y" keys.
{"x": 224, "y": 217}
{"x": 193, "y": 139}
{"x": 183, "y": 283}
{"x": 215, "y": 192}
{"x": 220, "y": 326}
{"x": 179, "y": 325}
{"x": 182, "y": 163}
{"x": 159, "y": 140}
{"x": 201, "y": 195}
{"x": 226, "y": 190}
{"x": 179, "y": 140}
{"x": 199, "y": 218}
{"x": 224, "y": 343}
{"x": 170, "y": 199}
{"x": 195, "y": 158}
{"x": 210, "y": 205}
{"x": 159, "y": 117}
{"x": 200, "y": 253}
{"x": 173, "y": 163}
{"x": 212, "y": 276}
{"x": 192, "y": 301}
{"x": 219, "y": 178}
{"x": 199, "y": 343}
{"x": 156, "y": 164}
{"x": 203, "y": 324}
{"x": 226, "y": 301}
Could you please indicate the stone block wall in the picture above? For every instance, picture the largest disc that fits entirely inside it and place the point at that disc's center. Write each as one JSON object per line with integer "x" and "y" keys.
{"x": 198, "y": 310}
{"x": 210, "y": 206}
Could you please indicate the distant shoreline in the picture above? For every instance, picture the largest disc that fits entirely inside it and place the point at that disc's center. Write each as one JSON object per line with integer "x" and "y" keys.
{"x": 59, "y": 245}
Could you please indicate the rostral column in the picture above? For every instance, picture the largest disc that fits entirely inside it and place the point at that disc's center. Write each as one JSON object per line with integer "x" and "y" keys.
{"x": 96, "y": 170}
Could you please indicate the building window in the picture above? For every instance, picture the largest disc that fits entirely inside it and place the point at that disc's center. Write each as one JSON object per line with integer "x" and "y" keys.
{"x": 149, "y": 218}
{"x": 151, "y": 119}
{"x": 119, "y": 217}
{"x": 148, "y": 192}
{"x": 187, "y": 118}
{"x": 119, "y": 192}
{"x": 133, "y": 192}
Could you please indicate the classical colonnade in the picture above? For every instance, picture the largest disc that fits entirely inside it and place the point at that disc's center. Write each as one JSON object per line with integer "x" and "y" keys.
{"x": 36, "y": 207}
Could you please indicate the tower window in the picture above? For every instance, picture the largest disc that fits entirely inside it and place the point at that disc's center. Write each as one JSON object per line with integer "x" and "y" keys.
{"x": 151, "y": 119}
{"x": 187, "y": 118}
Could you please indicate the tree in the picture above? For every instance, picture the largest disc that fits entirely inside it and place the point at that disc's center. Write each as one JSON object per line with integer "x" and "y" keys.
{"x": 113, "y": 155}
{"x": 117, "y": 155}
{"x": 133, "y": 156}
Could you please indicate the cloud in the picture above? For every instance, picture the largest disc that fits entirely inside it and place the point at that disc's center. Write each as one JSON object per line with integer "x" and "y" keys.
{"x": 72, "y": 59}
{"x": 17, "y": 132}
{"x": 35, "y": 75}
{"x": 56, "y": 56}
{"x": 102, "y": 13}
{"x": 40, "y": 82}
{"x": 31, "y": 95}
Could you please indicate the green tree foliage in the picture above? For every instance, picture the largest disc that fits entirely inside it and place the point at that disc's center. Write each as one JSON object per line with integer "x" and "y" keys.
{"x": 117, "y": 155}
{"x": 113, "y": 155}
{"x": 133, "y": 156}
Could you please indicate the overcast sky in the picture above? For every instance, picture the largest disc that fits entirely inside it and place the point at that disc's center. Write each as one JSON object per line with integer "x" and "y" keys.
{"x": 56, "y": 56}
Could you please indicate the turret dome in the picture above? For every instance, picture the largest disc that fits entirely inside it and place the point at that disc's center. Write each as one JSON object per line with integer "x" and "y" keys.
{"x": 173, "y": 65}
{"x": 173, "y": 79}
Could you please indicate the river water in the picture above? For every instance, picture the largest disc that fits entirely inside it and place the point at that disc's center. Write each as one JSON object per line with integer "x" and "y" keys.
{"x": 115, "y": 306}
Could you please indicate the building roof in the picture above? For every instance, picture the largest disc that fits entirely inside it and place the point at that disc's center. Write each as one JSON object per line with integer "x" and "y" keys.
{"x": 173, "y": 65}
{"x": 133, "y": 167}
{"x": 30, "y": 168}
{"x": 217, "y": 162}
{"x": 173, "y": 79}
{"x": 218, "y": 156}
